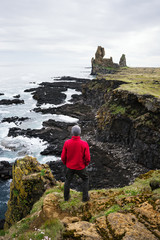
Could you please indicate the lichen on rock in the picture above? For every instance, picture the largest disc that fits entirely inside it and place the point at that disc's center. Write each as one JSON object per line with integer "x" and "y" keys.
{"x": 30, "y": 180}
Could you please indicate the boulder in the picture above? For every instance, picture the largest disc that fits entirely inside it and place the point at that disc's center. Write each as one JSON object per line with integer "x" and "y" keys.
{"x": 82, "y": 230}
{"x": 127, "y": 226}
{"x": 30, "y": 180}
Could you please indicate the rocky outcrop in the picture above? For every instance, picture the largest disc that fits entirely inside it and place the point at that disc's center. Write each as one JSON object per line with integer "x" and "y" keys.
{"x": 126, "y": 118}
{"x": 30, "y": 180}
{"x": 53, "y": 93}
{"x": 105, "y": 65}
{"x": 122, "y": 61}
{"x": 16, "y": 120}
{"x": 132, "y": 212}
{"x": 9, "y": 102}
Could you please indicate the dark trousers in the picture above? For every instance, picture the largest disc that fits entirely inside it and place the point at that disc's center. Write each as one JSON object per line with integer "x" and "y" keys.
{"x": 69, "y": 176}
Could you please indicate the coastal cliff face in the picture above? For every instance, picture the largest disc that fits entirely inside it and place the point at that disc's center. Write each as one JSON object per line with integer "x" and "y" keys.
{"x": 127, "y": 108}
{"x": 30, "y": 180}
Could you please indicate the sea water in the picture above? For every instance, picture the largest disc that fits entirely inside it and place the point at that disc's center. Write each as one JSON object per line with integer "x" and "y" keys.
{"x": 14, "y": 79}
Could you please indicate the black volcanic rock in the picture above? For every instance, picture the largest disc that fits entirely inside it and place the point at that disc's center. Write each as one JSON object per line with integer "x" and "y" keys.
{"x": 16, "y": 120}
{"x": 17, "y": 96}
{"x": 53, "y": 92}
{"x": 45, "y": 95}
{"x": 9, "y": 102}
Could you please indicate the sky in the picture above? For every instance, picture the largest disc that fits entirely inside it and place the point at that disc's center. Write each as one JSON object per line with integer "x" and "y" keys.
{"x": 69, "y": 31}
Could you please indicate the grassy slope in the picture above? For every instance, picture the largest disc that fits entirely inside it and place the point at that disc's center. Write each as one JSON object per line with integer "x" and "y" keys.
{"x": 139, "y": 80}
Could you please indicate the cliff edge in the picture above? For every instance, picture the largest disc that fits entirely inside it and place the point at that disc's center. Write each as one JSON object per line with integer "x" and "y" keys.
{"x": 131, "y": 212}
{"x": 127, "y": 111}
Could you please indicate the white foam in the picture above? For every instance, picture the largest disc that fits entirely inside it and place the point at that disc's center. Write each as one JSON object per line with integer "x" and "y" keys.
{"x": 24, "y": 146}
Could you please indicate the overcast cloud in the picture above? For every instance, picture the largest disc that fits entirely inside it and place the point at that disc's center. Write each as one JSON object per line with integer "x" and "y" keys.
{"x": 47, "y": 31}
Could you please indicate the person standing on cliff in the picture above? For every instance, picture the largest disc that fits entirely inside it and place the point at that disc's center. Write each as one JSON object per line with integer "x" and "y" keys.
{"x": 76, "y": 156}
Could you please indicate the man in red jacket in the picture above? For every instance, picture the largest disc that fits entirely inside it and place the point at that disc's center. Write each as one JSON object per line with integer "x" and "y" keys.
{"x": 76, "y": 156}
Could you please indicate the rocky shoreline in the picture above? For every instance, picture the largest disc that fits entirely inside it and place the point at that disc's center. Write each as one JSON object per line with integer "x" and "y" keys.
{"x": 112, "y": 163}
{"x": 119, "y": 146}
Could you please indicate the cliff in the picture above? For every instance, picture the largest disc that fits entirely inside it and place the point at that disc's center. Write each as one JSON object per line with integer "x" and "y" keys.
{"x": 30, "y": 180}
{"x": 131, "y": 212}
{"x": 127, "y": 107}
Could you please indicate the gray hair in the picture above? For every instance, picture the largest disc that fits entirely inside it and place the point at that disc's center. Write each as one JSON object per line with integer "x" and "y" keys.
{"x": 76, "y": 130}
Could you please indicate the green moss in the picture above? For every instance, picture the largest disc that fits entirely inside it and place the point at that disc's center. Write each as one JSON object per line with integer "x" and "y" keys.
{"x": 114, "y": 208}
{"x": 38, "y": 205}
{"x": 52, "y": 228}
{"x": 117, "y": 109}
{"x": 132, "y": 192}
{"x": 43, "y": 172}
{"x": 128, "y": 206}
{"x": 15, "y": 192}
{"x": 31, "y": 235}
{"x": 2, "y": 232}
{"x": 74, "y": 202}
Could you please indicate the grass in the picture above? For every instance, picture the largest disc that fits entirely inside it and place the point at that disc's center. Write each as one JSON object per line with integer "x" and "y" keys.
{"x": 114, "y": 208}
{"x": 117, "y": 109}
{"x": 142, "y": 81}
{"x": 74, "y": 202}
{"x": 50, "y": 229}
{"x": 2, "y": 232}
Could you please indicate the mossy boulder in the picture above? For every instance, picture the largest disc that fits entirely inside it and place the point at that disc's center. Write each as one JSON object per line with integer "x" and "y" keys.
{"x": 30, "y": 180}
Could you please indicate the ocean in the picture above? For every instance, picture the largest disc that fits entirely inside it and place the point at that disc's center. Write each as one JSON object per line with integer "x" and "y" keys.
{"x": 14, "y": 79}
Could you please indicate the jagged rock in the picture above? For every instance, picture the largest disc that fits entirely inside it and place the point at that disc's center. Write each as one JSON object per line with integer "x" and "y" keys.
{"x": 9, "y": 102}
{"x": 82, "y": 230}
{"x": 102, "y": 65}
{"x": 16, "y": 120}
{"x": 149, "y": 216}
{"x": 105, "y": 65}
{"x": 123, "y": 117}
{"x": 17, "y": 96}
{"x": 127, "y": 226}
{"x": 53, "y": 93}
{"x": 103, "y": 229}
{"x": 100, "y": 53}
{"x": 122, "y": 61}
{"x": 49, "y": 207}
{"x": 154, "y": 184}
{"x": 30, "y": 180}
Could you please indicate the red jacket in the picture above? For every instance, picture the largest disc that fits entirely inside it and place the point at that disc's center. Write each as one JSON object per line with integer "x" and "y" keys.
{"x": 75, "y": 153}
